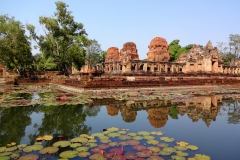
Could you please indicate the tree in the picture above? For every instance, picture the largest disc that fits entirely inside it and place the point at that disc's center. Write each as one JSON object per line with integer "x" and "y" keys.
{"x": 93, "y": 52}
{"x": 64, "y": 39}
{"x": 224, "y": 51}
{"x": 234, "y": 44}
{"x": 175, "y": 49}
{"x": 15, "y": 50}
{"x": 42, "y": 63}
{"x": 102, "y": 56}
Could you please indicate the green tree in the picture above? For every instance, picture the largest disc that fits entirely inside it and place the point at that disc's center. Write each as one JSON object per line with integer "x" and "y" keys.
{"x": 15, "y": 49}
{"x": 102, "y": 56}
{"x": 173, "y": 112}
{"x": 224, "y": 51}
{"x": 43, "y": 63}
{"x": 175, "y": 49}
{"x": 64, "y": 39}
{"x": 93, "y": 52}
{"x": 234, "y": 44}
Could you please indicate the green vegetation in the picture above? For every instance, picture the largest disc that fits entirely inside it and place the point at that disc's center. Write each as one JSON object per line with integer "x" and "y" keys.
{"x": 15, "y": 49}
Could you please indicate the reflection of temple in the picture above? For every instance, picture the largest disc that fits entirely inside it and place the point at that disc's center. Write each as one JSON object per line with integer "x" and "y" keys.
{"x": 128, "y": 115}
{"x": 205, "y": 60}
{"x": 112, "y": 111}
{"x": 201, "y": 107}
{"x": 158, "y": 116}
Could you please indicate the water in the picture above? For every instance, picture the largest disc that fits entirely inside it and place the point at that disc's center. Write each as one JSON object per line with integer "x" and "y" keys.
{"x": 209, "y": 122}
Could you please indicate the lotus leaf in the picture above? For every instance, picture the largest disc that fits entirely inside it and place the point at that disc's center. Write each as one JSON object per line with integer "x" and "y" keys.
{"x": 122, "y": 132}
{"x": 139, "y": 147}
{"x": 201, "y": 157}
{"x": 92, "y": 141}
{"x": 29, "y": 157}
{"x": 68, "y": 154}
{"x": 117, "y": 150}
{"x": 91, "y": 145}
{"x": 105, "y": 140}
{"x": 137, "y": 137}
{"x": 159, "y": 133}
{"x": 132, "y": 134}
{"x": 162, "y": 145}
{"x": 148, "y": 137}
{"x": 130, "y": 155}
{"x": 82, "y": 149}
{"x": 32, "y": 148}
{"x": 2, "y": 149}
{"x": 180, "y": 148}
{"x": 96, "y": 150}
{"x": 48, "y": 138}
{"x": 108, "y": 155}
{"x": 181, "y": 153}
{"x": 49, "y": 150}
{"x": 84, "y": 154}
{"x": 79, "y": 139}
{"x": 113, "y": 135}
{"x": 90, "y": 137}
{"x": 96, "y": 156}
{"x": 191, "y": 158}
{"x": 5, "y": 154}
{"x": 21, "y": 145}
{"x": 167, "y": 139}
{"x": 106, "y": 132}
{"x": 123, "y": 143}
{"x": 97, "y": 134}
{"x": 13, "y": 143}
{"x": 176, "y": 157}
{"x": 133, "y": 142}
{"x": 144, "y": 133}
{"x": 182, "y": 143}
{"x": 124, "y": 137}
{"x": 153, "y": 141}
{"x": 169, "y": 149}
{"x": 164, "y": 153}
{"x": 4, "y": 158}
{"x": 112, "y": 144}
{"x": 192, "y": 147}
{"x": 61, "y": 144}
{"x": 153, "y": 132}
{"x": 154, "y": 149}
{"x": 143, "y": 154}
{"x": 104, "y": 137}
{"x": 10, "y": 149}
{"x": 84, "y": 135}
{"x": 155, "y": 158}
{"x": 103, "y": 146}
{"x": 75, "y": 145}
{"x": 38, "y": 143}
{"x": 15, "y": 155}
{"x": 113, "y": 129}
{"x": 118, "y": 157}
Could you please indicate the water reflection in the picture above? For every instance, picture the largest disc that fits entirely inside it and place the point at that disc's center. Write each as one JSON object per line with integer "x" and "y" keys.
{"x": 205, "y": 108}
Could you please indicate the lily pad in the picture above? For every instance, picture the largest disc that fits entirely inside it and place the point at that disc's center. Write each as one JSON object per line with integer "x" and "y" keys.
{"x": 155, "y": 158}
{"x": 192, "y": 147}
{"x": 48, "y": 138}
{"x": 153, "y": 141}
{"x": 84, "y": 154}
{"x": 137, "y": 138}
{"x": 49, "y": 150}
{"x": 164, "y": 153}
{"x": 104, "y": 137}
{"x": 202, "y": 157}
{"x": 159, "y": 133}
{"x": 10, "y": 149}
{"x": 122, "y": 132}
{"x": 133, "y": 142}
{"x": 144, "y": 133}
{"x": 124, "y": 137}
{"x": 75, "y": 145}
{"x": 169, "y": 149}
{"x": 123, "y": 143}
{"x": 68, "y": 154}
{"x": 117, "y": 150}
{"x": 143, "y": 154}
{"x": 82, "y": 149}
{"x": 29, "y": 157}
{"x": 180, "y": 148}
{"x": 103, "y": 146}
{"x": 32, "y": 148}
{"x": 148, "y": 137}
{"x": 113, "y": 129}
{"x": 130, "y": 155}
{"x": 92, "y": 141}
{"x": 154, "y": 149}
{"x": 182, "y": 143}
{"x": 84, "y": 135}
{"x": 162, "y": 145}
{"x": 132, "y": 134}
{"x": 21, "y": 145}
{"x": 2, "y": 149}
{"x": 181, "y": 153}
{"x": 139, "y": 147}
{"x": 79, "y": 139}
{"x": 105, "y": 140}
{"x": 61, "y": 144}
{"x": 167, "y": 139}
{"x": 176, "y": 157}
{"x": 113, "y": 135}
{"x": 118, "y": 157}
{"x": 112, "y": 144}
{"x": 91, "y": 145}
{"x": 97, "y": 134}
{"x": 4, "y": 158}
{"x": 14, "y": 155}
{"x": 5, "y": 154}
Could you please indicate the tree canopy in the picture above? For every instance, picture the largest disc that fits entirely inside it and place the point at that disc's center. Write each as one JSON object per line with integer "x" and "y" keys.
{"x": 15, "y": 49}
{"x": 64, "y": 39}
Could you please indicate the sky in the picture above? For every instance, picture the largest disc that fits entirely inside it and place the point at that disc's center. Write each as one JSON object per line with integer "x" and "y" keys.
{"x": 114, "y": 22}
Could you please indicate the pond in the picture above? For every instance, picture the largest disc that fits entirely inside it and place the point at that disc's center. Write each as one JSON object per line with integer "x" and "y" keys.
{"x": 211, "y": 122}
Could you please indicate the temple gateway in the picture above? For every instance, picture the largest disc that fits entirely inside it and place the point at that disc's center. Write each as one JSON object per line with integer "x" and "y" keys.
{"x": 126, "y": 61}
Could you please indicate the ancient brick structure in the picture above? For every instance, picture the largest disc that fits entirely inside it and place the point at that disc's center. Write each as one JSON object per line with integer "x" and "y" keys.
{"x": 113, "y": 55}
{"x": 2, "y": 71}
{"x": 158, "y": 116}
{"x": 158, "y": 50}
{"x": 112, "y": 111}
{"x": 129, "y": 52}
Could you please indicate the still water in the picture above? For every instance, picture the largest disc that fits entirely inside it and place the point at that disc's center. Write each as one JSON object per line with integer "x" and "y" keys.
{"x": 209, "y": 122}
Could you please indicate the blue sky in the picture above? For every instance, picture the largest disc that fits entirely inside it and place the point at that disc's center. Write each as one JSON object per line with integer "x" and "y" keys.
{"x": 114, "y": 22}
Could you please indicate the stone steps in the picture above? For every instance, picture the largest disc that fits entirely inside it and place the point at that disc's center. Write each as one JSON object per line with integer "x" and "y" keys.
{"x": 2, "y": 81}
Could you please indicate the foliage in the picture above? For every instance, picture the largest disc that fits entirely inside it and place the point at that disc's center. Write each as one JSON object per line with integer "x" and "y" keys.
{"x": 226, "y": 53}
{"x": 234, "y": 44}
{"x": 15, "y": 50}
{"x": 64, "y": 39}
{"x": 173, "y": 112}
{"x": 43, "y": 63}
{"x": 93, "y": 52}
